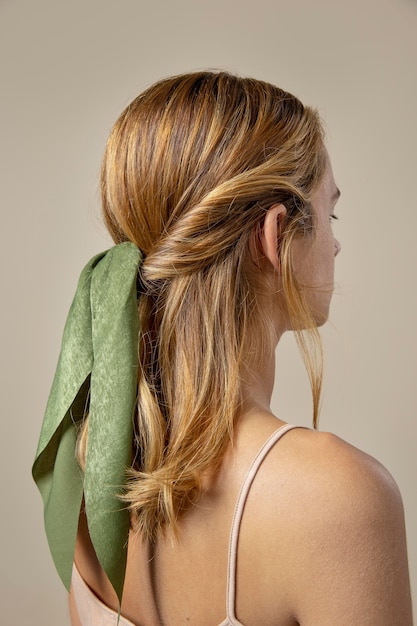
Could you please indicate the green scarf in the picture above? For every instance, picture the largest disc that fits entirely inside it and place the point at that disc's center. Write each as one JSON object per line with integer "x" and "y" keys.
{"x": 96, "y": 373}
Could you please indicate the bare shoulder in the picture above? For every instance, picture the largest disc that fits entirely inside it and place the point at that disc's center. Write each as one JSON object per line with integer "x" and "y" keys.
{"x": 341, "y": 522}
{"x": 329, "y": 465}
{"x": 333, "y": 488}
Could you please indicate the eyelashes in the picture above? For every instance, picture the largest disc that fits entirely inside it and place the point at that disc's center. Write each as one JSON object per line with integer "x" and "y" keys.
{"x": 333, "y": 217}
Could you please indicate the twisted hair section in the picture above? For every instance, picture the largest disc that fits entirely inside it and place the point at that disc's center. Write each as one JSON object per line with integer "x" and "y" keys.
{"x": 190, "y": 169}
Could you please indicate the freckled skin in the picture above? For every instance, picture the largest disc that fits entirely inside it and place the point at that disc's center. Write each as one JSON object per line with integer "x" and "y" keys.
{"x": 314, "y": 255}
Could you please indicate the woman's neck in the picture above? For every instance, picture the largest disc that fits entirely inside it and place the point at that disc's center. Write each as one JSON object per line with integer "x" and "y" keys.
{"x": 258, "y": 384}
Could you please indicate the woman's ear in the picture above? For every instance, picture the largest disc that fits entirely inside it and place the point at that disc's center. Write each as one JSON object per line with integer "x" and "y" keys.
{"x": 269, "y": 235}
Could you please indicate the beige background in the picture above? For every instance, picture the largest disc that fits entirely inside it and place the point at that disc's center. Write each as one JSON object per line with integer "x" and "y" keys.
{"x": 67, "y": 70}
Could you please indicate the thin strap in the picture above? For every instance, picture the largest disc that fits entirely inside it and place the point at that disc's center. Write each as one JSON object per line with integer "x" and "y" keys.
{"x": 237, "y": 518}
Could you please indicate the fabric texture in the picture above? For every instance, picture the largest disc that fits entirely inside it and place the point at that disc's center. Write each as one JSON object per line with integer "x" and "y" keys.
{"x": 91, "y": 609}
{"x": 96, "y": 375}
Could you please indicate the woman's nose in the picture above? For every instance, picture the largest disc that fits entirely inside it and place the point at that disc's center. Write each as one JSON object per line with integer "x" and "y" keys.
{"x": 337, "y": 247}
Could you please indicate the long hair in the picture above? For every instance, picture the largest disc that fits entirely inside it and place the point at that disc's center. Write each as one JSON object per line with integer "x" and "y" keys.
{"x": 191, "y": 167}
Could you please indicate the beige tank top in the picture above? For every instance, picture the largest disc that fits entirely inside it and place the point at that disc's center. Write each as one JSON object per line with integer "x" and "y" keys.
{"x": 92, "y": 612}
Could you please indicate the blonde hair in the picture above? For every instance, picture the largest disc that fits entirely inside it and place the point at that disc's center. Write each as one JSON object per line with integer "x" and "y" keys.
{"x": 191, "y": 167}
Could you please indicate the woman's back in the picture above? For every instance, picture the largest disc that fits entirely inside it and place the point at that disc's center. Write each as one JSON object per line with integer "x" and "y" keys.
{"x": 300, "y": 549}
{"x": 219, "y": 195}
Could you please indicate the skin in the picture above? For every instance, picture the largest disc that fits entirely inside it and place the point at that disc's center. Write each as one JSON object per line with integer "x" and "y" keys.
{"x": 322, "y": 540}
{"x": 313, "y": 256}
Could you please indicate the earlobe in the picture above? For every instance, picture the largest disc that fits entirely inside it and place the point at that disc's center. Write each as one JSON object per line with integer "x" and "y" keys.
{"x": 270, "y": 234}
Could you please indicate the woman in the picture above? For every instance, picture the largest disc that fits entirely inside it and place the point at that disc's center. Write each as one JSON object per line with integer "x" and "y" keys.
{"x": 219, "y": 194}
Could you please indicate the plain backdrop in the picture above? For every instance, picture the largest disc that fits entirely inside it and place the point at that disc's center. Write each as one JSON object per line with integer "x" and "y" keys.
{"x": 67, "y": 70}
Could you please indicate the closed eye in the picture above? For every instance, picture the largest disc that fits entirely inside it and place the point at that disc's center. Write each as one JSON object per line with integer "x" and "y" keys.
{"x": 333, "y": 217}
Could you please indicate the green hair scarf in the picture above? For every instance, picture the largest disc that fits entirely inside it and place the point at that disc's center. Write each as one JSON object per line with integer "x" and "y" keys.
{"x": 96, "y": 374}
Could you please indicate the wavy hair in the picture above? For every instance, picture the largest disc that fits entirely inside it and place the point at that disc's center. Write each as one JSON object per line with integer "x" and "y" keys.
{"x": 191, "y": 167}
